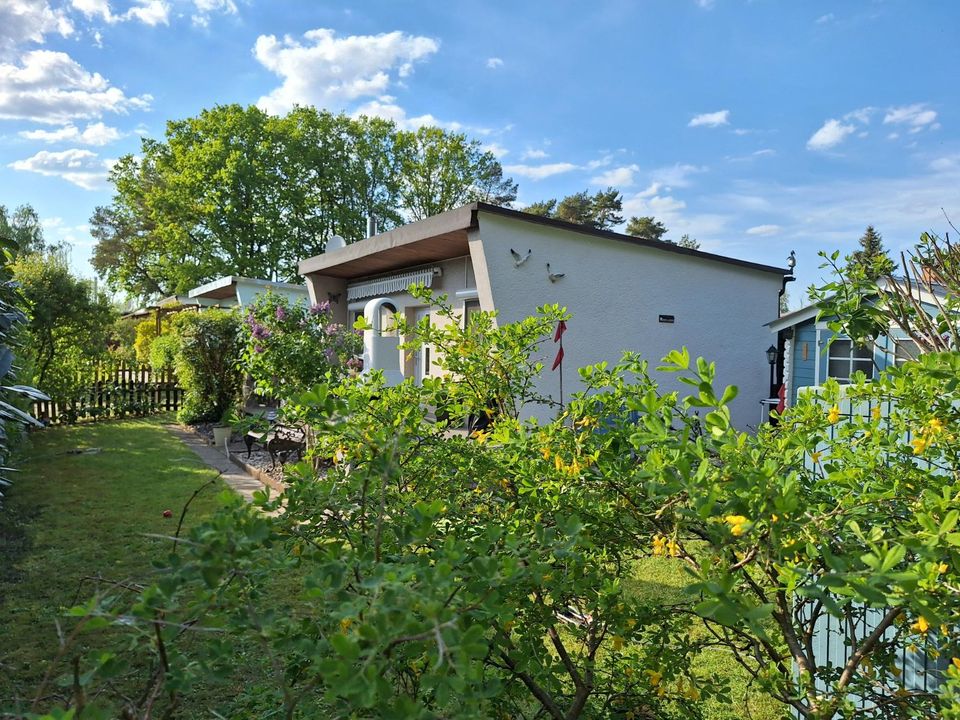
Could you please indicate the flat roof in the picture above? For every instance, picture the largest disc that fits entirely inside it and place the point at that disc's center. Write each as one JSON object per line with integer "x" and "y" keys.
{"x": 223, "y": 288}
{"x": 444, "y": 236}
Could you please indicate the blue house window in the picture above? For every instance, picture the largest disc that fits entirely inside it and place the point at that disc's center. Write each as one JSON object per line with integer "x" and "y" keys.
{"x": 846, "y": 358}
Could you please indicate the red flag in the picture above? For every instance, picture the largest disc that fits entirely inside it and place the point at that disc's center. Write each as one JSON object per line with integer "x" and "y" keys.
{"x": 782, "y": 405}
{"x": 561, "y": 329}
{"x": 558, "y": 360}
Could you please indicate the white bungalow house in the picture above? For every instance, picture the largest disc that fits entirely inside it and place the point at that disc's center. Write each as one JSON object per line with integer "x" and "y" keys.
{"x": 624, "y": 293}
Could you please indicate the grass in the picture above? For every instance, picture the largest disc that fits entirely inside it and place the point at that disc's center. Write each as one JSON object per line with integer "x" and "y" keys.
{"x": 663, "y": 580}
{"x": 70, "y": 517}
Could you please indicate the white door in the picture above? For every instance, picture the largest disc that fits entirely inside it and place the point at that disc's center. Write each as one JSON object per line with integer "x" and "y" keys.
{"x": 421, "y": 357}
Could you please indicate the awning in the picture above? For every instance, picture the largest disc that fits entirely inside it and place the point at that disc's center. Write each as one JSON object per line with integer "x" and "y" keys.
{"x": 392, "y": 283}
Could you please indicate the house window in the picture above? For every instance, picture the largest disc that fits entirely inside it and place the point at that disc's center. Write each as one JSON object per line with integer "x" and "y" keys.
{"x": 846, "y": 358}
{"x": 906, "y": 350}
{"x": 470, "y": 308}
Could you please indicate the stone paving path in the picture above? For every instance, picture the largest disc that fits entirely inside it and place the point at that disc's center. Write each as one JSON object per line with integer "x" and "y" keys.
{"x": 233, "y": 476}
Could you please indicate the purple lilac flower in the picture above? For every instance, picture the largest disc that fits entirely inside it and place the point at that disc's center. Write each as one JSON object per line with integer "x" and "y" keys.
{"x": 320, "y": 308}
{"x": 280, "y": 313}
{"x": 333, "y": 328}
{"x": 260, "y": 332}
{"x": 257, "y": 349}
{"x": 331, "y": 355}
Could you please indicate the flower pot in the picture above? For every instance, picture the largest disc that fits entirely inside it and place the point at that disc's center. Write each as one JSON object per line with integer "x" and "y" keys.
{"x": 221, "y": 435}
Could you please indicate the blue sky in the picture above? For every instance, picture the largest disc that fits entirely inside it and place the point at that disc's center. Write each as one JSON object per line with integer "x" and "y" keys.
{"x": 758, "y": 127}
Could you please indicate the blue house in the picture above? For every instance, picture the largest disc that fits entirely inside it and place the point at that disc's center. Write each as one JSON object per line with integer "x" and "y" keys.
{"x": 807, "y": 357}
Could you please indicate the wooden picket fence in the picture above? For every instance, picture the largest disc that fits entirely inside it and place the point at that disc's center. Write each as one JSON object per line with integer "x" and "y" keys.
{"x": 115, "y": 391}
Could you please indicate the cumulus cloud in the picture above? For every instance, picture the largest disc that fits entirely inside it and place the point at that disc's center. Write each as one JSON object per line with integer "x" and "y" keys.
{"x": 96, "y": 134}
{"x": 327, "y": 71}
{"x": 51, "y": 87}
{"x": 713, "y": 119}
{"x": 621, "y": 176}
{"x": 539, "y": 172}
{"x": 149, "y": 12}
{"x": 83, "y": 168}
{"x": 763, "y": 230}
{"x": 387, "y": 108}
{"x": 30, "y": 21}
{"x": 494, "y": 63}
{"x": 831, "y": 133}
{"x": 205, "y": 8}
{"x": 915, "y": 117}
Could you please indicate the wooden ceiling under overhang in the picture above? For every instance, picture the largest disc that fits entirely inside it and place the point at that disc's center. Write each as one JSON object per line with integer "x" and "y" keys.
{"x": 421, "y": 252}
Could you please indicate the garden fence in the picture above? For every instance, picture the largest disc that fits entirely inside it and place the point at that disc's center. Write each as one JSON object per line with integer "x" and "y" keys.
{"x": 115, "y": 391}
{"x": 919, "y": 668}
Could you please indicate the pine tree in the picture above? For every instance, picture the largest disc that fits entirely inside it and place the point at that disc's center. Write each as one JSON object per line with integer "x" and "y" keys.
{"x": 872, "y": 258}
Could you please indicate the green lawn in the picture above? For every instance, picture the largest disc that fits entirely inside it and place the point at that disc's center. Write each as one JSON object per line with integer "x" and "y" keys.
{"x": 74, "y": 516}
{"x": 663, "y": 580}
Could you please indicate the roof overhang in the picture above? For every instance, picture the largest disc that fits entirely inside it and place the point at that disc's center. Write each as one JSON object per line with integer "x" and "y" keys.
{"x": 444, "y": 236}
{"x": 436, "y": 238}
{"x": 225, "y": 288}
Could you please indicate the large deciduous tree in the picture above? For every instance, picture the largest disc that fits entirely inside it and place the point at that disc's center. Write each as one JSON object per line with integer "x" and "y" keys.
{"x": 237, "y": 191}
{"x": 23, "y": 228}
{"x": 68, "y": 321}
{"x": 442, "y": 170}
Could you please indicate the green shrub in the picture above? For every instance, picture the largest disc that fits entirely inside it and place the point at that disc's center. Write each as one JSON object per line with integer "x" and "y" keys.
{"x": 163, "y": 352}
{"x": 206, "y": 363}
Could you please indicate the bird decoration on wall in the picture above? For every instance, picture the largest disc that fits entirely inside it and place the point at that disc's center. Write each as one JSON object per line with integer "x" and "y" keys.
{"x": 519, "y": 260}
{"x": 552, "y": 275}
{"x": 792, "y": 260}
{"x": 334, "y": 298}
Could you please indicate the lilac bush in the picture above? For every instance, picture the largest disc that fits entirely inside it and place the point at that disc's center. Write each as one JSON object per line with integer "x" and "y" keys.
{"x": 289, "y": 347}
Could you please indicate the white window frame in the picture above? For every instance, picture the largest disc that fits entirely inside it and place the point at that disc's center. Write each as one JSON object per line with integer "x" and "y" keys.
{"x": 854, "y": 363}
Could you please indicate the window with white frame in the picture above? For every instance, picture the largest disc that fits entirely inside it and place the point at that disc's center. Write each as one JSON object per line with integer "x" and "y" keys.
{"x": 906, "y": 349}
{"x": 846, "y": 357}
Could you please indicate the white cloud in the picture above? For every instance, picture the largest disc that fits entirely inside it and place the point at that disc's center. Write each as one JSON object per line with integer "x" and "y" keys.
{"x": 387, "y": 108}
{"x": 947, "y": 163}
{"x": 713, "y": 119}
{"x": 599, "y": 162}
{"x": 676, "y": 176}
{"x": 832, "y": 133}
{"x": 94, "y": 134}
{"x": 705, "y": 4}
{"x": 149, "y": 12}
{"x": 497, "y": 149}
{"x": 916, "y": 117}
{"x": 621, "y": 176}
{"x": 539, "y": 172}
{"x": 83, "y": 168}
{"x": 23, "y": 21}
{"x": 765, "y": 152}
{"x": 205, "y": 8}
{"x": 327, "y": 71}
{"x": 533, "y": 154}
{"x": 51, "y": 87}
{"x": 763, "y": 230}
{"x": 823, "y": 19}
{"x": 494, "y": 63}
{"x": 860, "y": 115}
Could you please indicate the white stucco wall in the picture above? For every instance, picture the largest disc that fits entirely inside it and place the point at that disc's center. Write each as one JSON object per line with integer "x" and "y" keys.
{"x": 247, "y": 292}
{"x": 616, "y": 291}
